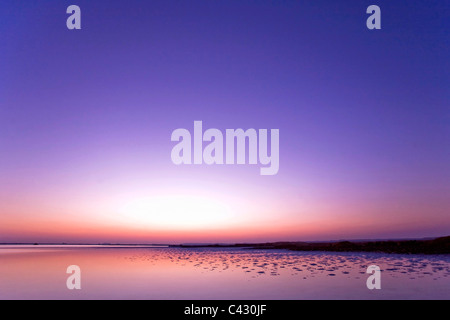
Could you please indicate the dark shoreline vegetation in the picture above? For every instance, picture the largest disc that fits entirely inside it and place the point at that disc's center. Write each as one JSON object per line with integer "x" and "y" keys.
{"x": 422, "y": 246}
{"x": 435, "y": 246}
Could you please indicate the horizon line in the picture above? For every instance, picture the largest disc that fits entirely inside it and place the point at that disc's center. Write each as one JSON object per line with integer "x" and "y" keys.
{"x": 215, "y": 242}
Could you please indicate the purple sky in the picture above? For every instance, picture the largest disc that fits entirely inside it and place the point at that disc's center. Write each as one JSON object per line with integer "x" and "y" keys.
{"x": 86, "y": 118}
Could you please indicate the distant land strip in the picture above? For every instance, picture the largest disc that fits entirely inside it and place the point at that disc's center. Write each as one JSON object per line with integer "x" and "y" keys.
{"x": 435, "y": 246}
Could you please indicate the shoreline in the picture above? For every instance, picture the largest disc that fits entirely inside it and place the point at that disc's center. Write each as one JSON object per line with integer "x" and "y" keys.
{"x": 439, "y": 245}
{"x": 435, "y": 246}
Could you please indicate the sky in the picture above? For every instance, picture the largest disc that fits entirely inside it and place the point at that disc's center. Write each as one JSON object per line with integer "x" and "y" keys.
{"x": 86, "y": 118}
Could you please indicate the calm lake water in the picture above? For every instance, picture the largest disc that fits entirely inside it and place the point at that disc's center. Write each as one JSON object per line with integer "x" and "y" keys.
{"x": 36, "y": 272}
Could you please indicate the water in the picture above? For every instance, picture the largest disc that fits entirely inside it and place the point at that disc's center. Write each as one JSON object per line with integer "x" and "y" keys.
{"x": 36, "y": 272}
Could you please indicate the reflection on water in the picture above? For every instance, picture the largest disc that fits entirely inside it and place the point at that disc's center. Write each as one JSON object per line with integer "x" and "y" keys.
{"x": 177, "y": 273}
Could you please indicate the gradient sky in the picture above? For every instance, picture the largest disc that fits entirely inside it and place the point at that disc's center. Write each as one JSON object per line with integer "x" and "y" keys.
{"x": 86, "y": 118}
